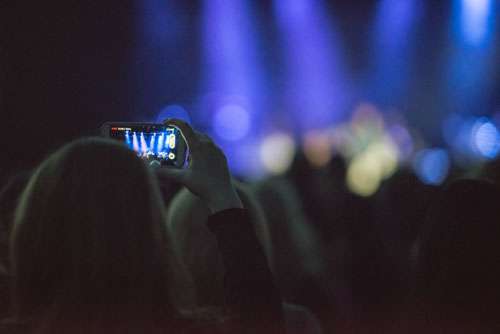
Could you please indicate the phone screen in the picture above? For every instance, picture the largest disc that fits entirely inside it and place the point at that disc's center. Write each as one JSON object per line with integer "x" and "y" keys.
{"x": 151, "y": 142}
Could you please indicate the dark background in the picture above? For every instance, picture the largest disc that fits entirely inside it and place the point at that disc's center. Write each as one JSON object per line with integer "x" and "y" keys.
{"x": 68, "y": 66}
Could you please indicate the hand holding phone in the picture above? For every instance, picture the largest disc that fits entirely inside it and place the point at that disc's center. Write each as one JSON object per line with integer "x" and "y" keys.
{"x": 207, "y": 174}
{"x": 159, "y": 144}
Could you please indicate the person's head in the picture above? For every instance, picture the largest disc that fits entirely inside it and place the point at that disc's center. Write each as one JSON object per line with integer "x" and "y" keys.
{"x": 90, "y": 239}
{"x": 457, "y": 269}
{"x": 400, "y": 209}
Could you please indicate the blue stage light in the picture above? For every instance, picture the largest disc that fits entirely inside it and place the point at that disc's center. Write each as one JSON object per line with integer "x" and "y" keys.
{"x": 392, "y": 47}
{"x": 165, "y": 141}
{"x": 173, "y": 111}
{"x": 152, "y": 142}
{"x": 144, "y": 145}
{"x": 135, "y": 142}
{"x": 475, "y": 20}
{"x": 472, "y": 56}
{"x": 403, "y": 140}
{"x": 432, "y": 166}
{"x": 486, "y": 138}
{"x": 161, "y": 140}
{"x": 127, "y": 139}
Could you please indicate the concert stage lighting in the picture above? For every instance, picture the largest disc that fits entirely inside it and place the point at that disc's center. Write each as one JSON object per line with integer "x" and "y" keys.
{"x": 161, "y": 139}
{"x": 135, "y": 142}
{"x": 276, "y": 152}
{"x": 393, "y": 43}
{"x": 432, "y": 166}
{"x": 476, "y": 20}
{"x": 144, "y": 146}
{"x": 233, "y": 78}
{"x": 127, "y": 138}
{"x": 316, "y": 86}
{"x": 152, "y": 142}
{"x": 231, "y": 122}
{"x": 485, "y": 138}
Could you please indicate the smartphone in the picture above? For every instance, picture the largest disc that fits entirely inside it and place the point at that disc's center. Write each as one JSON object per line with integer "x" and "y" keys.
{"x": 155, "y": 143}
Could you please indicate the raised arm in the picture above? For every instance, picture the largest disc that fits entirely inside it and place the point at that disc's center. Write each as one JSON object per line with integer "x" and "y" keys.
{"x": 250, "y": 292}
{"x": 251, "y": 296}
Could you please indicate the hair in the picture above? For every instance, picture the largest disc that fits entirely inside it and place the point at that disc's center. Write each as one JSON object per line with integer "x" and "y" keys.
{"x": 90, "y": 244}
{"x": 9, "y": 198}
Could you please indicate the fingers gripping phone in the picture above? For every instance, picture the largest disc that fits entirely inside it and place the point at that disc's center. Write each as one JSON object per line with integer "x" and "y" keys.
{"x": 155, "y": 143}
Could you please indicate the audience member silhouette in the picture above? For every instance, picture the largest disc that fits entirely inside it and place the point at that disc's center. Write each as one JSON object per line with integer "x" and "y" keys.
{"x": 457, "y": 271}
{"x": 9, "y": 196}
{"x": 400, "y": 208}
{"x": 198, "y": 248}
{"x": 297, "y": 251}
{"x": 86, "y": 246}
{"x": 91, "y": 253}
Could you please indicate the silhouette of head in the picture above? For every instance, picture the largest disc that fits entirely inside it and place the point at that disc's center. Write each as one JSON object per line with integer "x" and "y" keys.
{"x": 89, "y": 238}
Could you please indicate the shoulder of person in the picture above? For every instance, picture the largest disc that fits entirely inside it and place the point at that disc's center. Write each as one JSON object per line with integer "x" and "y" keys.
{"x": 300, "y": 320}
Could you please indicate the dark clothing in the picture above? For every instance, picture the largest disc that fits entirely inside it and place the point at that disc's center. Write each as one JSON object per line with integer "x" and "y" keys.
{"x": 250, "y": 293}
{"x": 457, "y": 270}
{"x": 251, "y": 298}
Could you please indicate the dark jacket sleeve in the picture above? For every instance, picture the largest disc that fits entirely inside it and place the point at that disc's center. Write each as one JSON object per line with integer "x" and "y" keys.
{"x": 250, "y": 293}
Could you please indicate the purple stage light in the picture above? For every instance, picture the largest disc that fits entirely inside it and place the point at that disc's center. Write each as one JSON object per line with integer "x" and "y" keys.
{"x": 393, "y": 41}
{"x": 316, "y": 87}
{"x": 229, "y": 49}
{"x": 395, "y": 22}
{"x": 233, "y": 77}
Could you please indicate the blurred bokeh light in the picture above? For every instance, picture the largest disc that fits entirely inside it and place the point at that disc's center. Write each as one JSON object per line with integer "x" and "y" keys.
{"x": 486, "y": 138}
{"x": 432, "y": 165}
{"x": 231, "y": 122}
{"x": 277, "y": 151}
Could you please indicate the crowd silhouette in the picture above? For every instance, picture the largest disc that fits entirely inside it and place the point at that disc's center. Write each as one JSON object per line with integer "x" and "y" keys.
{"x": 93, "y": 240}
